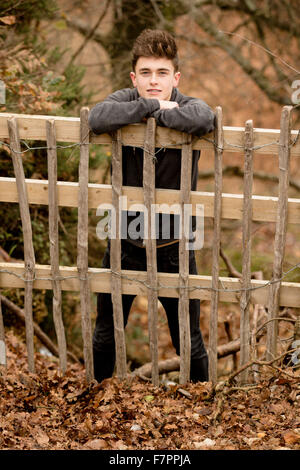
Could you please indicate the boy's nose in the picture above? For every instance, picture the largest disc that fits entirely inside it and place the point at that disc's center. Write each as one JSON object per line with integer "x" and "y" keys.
{"x": 153, "y": 78}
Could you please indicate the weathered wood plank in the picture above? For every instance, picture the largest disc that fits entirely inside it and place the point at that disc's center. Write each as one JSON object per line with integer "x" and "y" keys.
{"x": 150, "y": 242}
{"x": 82, "y": 245}
{"x": 280, "y": 233}
{"x": 264, "y": 207}
{"x": 183, "y": 304}
{"x": 133, "y": 283}
{"x": 213, "y": 322}
{"x": 2, "y": 340}
{"x": 54, "y": 244}
{"x": 115, "y": 258}
{"x": 246, "y": 249}
{"x": 27, "y": 236}
{"x": 32, "y": 127}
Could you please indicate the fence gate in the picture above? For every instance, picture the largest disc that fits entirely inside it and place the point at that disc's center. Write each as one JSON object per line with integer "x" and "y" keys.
{"x": 283, "y": 144}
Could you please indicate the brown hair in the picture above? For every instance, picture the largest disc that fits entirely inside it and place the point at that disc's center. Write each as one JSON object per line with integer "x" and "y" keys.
{"x": 155, "y": 43}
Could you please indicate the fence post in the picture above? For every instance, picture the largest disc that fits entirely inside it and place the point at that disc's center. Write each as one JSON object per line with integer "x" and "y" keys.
{"x": 246, "y": 269}
{"x": 213, "y": 324}
{"x": 183, "y": 303}
{"x": 2, "y": 339}
{"x": 280, "y": 233}
{"x": 54, "y": 243}
{"x": 82, "y": 244}
{"x": 115, "y": 257}
{"x": 29, "y": 258}
{"x": 149, "y": 200}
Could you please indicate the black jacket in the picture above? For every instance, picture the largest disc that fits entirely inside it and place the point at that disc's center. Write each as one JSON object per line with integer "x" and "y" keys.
{"x": 124, "y": 107}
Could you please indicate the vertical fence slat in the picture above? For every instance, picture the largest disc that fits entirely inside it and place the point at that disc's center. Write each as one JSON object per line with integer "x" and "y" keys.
{"x": 183, "y": 303}
{"x": 2, "y": 339}
{"x": 82, "y": 244}
{"x": 54, "y": 243}
{"x": 115, "y": 257}
{"x": 29, "y": 258}
{"x": 213, "y": 323}
{"x": 149, "y": 200}
{"x": 246, "y": 258}
{"x": 280, "y": 233}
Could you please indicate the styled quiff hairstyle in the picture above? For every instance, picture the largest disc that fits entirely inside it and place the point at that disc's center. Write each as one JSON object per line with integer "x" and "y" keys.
{"x": 155, "y": 43}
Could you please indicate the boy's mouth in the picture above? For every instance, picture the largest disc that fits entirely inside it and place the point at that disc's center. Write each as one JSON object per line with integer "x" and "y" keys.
{"x": 153, "y": 91}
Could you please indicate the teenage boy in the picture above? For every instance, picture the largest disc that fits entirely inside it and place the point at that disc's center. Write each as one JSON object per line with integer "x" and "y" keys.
{"x": 155, "y": 77}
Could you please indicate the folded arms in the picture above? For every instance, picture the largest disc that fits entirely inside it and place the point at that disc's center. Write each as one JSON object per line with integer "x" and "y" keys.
{"x": 125, "y": 107}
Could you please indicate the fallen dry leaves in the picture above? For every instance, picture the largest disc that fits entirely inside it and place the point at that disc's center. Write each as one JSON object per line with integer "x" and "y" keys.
{"x": 47, "y": 411}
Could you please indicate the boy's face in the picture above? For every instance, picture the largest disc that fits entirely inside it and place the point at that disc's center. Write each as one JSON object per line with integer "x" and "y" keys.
{"x": 155, "y": 77}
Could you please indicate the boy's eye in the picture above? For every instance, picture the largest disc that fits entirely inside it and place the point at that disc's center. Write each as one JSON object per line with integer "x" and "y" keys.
{"x": 162, "y": 73}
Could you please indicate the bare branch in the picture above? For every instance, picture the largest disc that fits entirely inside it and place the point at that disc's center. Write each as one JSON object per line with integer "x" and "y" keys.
{"x": 267, "y": 16}
{"x": 85, "y": 29}
{"x": 40, "y": 334}
{"x": 235, "y": 53}
{"x": 90, "y": 34}
{"x": 268, "y": 51}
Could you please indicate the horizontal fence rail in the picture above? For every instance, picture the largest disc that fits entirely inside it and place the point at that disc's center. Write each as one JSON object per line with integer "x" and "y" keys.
{"x": 135, "y": 282}
{"x": 264, "y": 207}
{"x": 282, "y": 144}
{"x": 265, "y": 141}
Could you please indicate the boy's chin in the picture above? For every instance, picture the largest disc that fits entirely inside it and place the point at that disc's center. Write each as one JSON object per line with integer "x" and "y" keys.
{"x": 157, "y": 96}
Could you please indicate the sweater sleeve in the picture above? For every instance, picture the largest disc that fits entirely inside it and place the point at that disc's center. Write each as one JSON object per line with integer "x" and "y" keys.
{"x": 118, "y": 110}
{"x": 193, "y": 116}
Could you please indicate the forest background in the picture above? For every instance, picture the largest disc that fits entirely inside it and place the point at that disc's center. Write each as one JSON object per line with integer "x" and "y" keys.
{"x": 57, "y": 56}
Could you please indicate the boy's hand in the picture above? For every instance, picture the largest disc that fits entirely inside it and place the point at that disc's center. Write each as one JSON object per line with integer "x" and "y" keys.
{"x": 164, "y": 104}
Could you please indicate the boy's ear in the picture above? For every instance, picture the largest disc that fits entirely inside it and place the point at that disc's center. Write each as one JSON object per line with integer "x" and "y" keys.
{"x": 133, "y": 78}
{"x": 176, "y": 78}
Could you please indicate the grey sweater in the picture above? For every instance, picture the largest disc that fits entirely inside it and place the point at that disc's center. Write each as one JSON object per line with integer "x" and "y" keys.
{"x": 124, "y": 107}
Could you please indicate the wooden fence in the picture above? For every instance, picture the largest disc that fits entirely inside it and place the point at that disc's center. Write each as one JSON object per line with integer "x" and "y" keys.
{"x": 282, "y": 210}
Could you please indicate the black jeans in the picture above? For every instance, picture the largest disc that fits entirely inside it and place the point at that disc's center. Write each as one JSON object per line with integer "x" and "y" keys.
{"x": 134, "y": 258}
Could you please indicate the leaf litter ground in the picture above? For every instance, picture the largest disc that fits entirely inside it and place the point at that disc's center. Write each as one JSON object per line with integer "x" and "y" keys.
{"x": 50, "y": 412}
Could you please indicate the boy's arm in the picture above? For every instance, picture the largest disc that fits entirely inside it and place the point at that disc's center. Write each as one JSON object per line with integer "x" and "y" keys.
{"x": 119, "y": 109}
{"x": 193, "y": 116}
